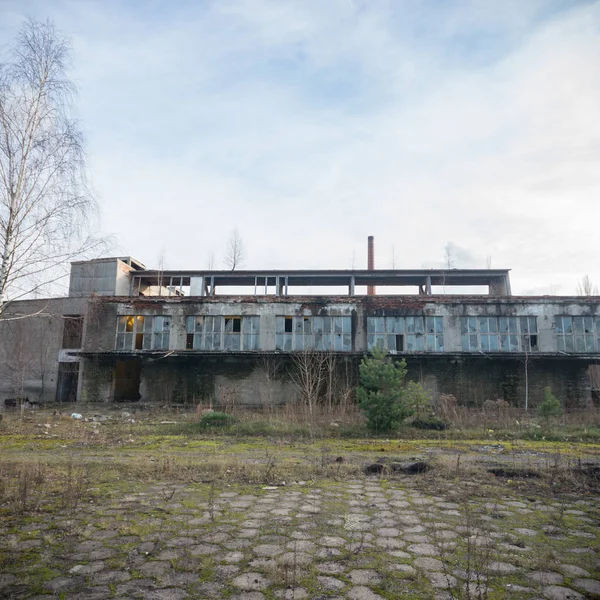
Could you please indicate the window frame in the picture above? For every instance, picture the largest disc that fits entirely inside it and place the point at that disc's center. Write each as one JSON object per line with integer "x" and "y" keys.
{"x": 222, "y": 333}
{"x": 499, "y": 333}
{"x": 577, "y": 334}
{"x": 319, "y": 333}
{"x": 413, "y": 333}
{"x": 143, "y": 332}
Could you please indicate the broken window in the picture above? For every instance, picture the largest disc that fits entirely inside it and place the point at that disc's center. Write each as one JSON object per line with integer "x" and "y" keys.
{"x": 222, "y": 333}
{"x": 141, "y": 332}
{"x": 406, "y": 334}
{"x": 322, "y": 333}
{"x": 577, "y": 334}
{"x": 499, "y": 334}
{"x": 72, "y": 331}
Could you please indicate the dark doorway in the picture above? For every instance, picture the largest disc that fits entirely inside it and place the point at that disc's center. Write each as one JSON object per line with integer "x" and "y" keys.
{"x": 126, "y": 379}
{"x": 68, "y": 378}
{"x": 399, "y": 343}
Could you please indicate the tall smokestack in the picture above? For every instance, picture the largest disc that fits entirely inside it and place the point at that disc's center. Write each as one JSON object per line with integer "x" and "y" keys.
{"x": 371, "y": 262}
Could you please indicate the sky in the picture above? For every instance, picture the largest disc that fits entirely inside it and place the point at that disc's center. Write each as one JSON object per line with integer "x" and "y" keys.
{"x": 464, "y": 125}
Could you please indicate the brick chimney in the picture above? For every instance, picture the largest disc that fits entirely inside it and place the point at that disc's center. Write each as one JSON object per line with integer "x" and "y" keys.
{"x": 371, "y": 262}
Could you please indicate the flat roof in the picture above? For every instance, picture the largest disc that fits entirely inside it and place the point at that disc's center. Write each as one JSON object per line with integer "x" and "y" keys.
{"x": 381, "y": 277}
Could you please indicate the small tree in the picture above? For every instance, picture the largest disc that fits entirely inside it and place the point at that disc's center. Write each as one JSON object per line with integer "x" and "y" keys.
{"x": 381, "y": 394}
{"x": 551, "y": 406}
{"x": 418, "y": 397}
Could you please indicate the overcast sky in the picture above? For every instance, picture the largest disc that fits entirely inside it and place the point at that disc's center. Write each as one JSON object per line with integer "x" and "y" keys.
{"x": 310, "y": 124}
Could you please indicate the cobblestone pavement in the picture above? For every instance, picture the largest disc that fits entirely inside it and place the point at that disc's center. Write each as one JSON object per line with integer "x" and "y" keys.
{"x": 360, "y": 540}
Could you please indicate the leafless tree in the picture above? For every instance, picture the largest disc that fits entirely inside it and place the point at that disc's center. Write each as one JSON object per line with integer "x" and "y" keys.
{"x": 309, "y": 376}
{"x": 235, "y": 254}
{"x": 210, "y": 262}
{"x": 449, "y": 256}
{"x": 45, "y": 205}
{"x": 586, "y": 287}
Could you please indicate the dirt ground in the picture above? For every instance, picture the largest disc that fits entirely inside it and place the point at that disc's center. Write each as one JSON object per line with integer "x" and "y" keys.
{"x": 122, "y": 509}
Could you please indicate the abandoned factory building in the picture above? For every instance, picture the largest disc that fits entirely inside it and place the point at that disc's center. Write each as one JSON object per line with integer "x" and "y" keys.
{"x": 128, "y": 333}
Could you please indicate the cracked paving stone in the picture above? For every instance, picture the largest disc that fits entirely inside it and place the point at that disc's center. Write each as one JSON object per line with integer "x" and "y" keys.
{"x": 557, "y": 592}
{"x": 155, "y": 568}
{"x": 88, "y": 569}
{"x": 545, "y": 577}
{"x": 422, "y": 549}
{"x": 362, "y": 593}
{"x": 573, "y": 570}
{"x": 62, "y": 584}
{"x": 166, "y": 594}
{"x": 267, "y": 550}
{"x": 332, "y": 541}
{"x": 203, "y": 549}
{"x": 331, "y": 568}
{"x": 233, "y": 557}
{"x": 331, "y": 584}
{"x": 428, "y": 564}
{"x": 250, "y": 582}
{"x": 7, "y": 580}
{"x": 390, "y": 532}
{"x": 291, "y": 559}
{"x": 591, "y": 586}
{"x": 300, "y": 546}
{"x": 292, "y": 594}
{"x": 94, "y": 593}
{"x": 325, "y": 553}
{"x": 502, "y": 568}
{"x": 109, "y": 577}
{"x": 441, "y": 580}
{"x": 390, "y": 543}
{"x": 525, "y": 531}
{"x": 364, "y": 577}
{"x": 403, "y": 568}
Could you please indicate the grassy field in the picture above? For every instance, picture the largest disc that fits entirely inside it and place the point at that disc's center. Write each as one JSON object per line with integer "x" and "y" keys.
{"x": 142, "y": 503}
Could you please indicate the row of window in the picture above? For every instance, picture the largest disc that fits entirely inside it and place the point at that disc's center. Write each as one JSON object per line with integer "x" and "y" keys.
{"x": 327, "y": 333}
{"x": 499, "y": 334}
{"x": 406, "y": 334}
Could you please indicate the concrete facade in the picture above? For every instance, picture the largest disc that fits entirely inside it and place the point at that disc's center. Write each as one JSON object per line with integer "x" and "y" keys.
{"x": 245, "y": 349}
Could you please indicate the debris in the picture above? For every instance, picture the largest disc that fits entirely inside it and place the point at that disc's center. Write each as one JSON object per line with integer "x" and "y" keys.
{"x": 394, "y": 467}
{"x": 76, "y": 416}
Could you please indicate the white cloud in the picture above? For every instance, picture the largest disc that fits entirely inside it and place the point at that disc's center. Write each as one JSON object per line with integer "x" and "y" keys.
{"x": 310, "y": 125}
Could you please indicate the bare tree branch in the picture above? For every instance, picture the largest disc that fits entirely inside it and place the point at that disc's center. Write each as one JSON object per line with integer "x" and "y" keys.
{"x": 45, "y": 204}
{"x": 586, "y": 287}
{"x": 235, "y": 254}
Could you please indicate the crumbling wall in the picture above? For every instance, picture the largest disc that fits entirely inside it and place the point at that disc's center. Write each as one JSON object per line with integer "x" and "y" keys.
{"x": 473, "y": 380}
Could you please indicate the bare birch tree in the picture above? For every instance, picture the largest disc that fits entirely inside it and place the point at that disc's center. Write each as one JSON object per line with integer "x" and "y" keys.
{"x": 586, "y": 287}
{"x": 235, "y": 254}
{"x": 45, "y": 204}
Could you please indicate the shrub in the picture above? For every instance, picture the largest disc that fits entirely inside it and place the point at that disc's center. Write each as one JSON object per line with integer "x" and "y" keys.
{"x": 551, "y": 406}
{"x": 381, "y": 394}
{"x": 216, "y": 419}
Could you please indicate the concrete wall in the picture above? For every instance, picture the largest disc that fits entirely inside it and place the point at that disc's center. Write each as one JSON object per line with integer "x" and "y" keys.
{"x": 103, "y": 277}
{"x": 451, "y": 309}
{"x": 31, "y": 334}
{"x": 30, "y": 349}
